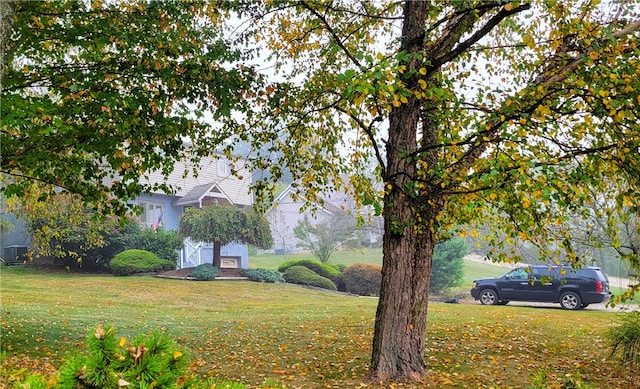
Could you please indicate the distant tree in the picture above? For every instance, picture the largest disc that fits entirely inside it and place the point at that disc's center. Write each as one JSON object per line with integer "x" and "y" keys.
{"x": 448, "y": 265}
{"x": 224, "y": 224}
{"x": 323, "y": 239}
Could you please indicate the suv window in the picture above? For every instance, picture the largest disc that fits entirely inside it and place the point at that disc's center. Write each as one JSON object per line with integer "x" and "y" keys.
{"x": 518, "y": 274}
{"x": 541, "y": 271}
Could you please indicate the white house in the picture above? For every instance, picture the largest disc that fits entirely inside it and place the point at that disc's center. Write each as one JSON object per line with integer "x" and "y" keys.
{"x": 212, "y": 183}
{"x": 286, "y": 212}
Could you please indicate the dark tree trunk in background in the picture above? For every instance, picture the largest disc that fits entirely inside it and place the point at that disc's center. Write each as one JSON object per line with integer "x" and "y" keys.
{"x": 217, "y": 261}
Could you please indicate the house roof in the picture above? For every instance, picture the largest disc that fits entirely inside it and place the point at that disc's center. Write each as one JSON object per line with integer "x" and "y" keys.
{"x": 199, "y": 192}
{"x": 327, "y": 206}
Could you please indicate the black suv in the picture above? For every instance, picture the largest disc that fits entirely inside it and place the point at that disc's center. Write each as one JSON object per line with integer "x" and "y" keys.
{"x": 572, "y": 288}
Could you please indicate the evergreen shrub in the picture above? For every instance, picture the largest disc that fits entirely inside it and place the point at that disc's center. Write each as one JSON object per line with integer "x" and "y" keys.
{"x": 205, "y": 272}
{"x": 341, "y": 267}
{"x": 147, "y": 361}
{"x": 302, "y": 276}
{"x": 322, "y": 269}
{"x": 131, "y": 262}
{"x": 262, "y": 275}
{"x": 166, "y": 244}
{"x": 363, "y": 279}
{"x": 448, "y": 265}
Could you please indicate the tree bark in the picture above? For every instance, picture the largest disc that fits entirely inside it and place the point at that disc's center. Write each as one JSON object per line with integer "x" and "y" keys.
{"x": 217, "y": 261}
{"x": 399, "y": 335}
{"x": 7, "y": 11}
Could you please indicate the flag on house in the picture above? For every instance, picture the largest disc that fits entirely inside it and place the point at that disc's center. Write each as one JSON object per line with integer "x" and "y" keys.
{"x": 157, "y": 222}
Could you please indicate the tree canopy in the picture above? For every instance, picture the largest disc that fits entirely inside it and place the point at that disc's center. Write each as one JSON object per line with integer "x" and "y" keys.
{"x": 95, "y": 95}
{"x": 509, "y": 113}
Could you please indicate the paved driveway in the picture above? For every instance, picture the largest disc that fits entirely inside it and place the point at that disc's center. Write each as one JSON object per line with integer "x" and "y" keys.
{"x": 591, "y": 307}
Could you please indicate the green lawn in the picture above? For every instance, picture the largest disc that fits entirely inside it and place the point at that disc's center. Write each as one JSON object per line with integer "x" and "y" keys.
{"x": 306, "y": 338}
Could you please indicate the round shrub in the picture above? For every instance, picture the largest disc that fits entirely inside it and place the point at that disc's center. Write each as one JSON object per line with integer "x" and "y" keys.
{"x": 131, "y": 262}
{"x": 166, "y": 244}
{"x": 321, "y": 269}
{"x": 302, "y": 276}
{"x": 262, "y": 275}
{"x": 205, "y": 272}
{"x": 363, "y": 279}
{"x": 341, "y": 267}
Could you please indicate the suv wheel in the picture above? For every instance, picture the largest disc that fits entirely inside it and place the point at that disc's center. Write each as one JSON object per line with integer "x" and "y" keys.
{"x": 570, "y": 300}
{"x": 488, "y": 297}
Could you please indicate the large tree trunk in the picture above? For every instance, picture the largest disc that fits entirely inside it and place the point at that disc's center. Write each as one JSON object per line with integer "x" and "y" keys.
{"x": 399, "y": 335}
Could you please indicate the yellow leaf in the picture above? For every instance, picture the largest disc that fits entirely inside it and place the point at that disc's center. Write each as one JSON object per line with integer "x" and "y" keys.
{"x": 122, "y": 342}
{"x": 423, "y": 84}
{"x": 177, "y": 355}
{"x": 423, "y": 71}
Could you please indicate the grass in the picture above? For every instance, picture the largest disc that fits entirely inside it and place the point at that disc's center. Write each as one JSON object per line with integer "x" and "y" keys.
{"x": 251, "y": 332}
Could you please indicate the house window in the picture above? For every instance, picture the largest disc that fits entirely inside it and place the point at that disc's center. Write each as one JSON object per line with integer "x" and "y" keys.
{"x": 223, "y": 167}
{"x": 152, "y": 215}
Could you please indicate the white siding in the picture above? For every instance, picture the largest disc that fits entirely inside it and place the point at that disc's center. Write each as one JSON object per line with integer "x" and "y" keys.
{"x": 238, "y": 190}
{"x": 284, "y": 217}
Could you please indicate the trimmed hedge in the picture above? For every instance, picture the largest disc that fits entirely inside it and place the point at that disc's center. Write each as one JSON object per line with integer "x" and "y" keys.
{"x": 166, "y": 244}
{"x": 262, "y": 275}
{"x": 363, "y": 279}
{"x": 302, "y": 276}
{"x": 341, "y": 267}
{"x": 205, "y": 272}
{"x": 135, "y": 261}
{"x": 321, "y": 269}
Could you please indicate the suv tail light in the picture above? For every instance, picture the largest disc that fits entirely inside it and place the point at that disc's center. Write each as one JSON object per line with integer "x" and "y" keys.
{"x": 599, "y": 286}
